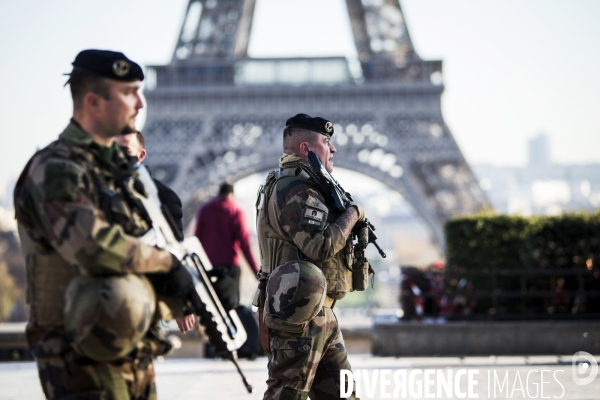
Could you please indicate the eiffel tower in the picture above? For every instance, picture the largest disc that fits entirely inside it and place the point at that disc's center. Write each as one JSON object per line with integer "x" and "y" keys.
{"x": 215, "y": 113}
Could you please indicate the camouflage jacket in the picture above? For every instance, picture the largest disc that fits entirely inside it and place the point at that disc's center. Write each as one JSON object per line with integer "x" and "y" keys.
{"x": 62, "y": 199}
{"x": 74, "y": 219}
{"x": 298, "y": 214}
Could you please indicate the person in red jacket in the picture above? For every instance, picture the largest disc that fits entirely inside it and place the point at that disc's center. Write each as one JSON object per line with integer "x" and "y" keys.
{"x": 222, "y": 229}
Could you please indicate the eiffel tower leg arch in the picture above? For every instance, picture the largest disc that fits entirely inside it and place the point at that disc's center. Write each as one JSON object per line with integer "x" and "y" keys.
{"x": 215, "y": 113}
{"x": 430, "y": 174}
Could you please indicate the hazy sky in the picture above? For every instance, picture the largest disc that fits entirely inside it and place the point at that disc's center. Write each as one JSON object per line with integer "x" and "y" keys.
{"x": 512, "y": 68}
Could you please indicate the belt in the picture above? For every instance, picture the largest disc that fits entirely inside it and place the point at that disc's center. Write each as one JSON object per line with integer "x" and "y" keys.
{"x": 329, "y": 302}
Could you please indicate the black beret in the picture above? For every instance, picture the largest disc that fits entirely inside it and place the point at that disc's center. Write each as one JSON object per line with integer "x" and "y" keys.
{"x": 316, "y": 124}
{"x": 109, "y": 64}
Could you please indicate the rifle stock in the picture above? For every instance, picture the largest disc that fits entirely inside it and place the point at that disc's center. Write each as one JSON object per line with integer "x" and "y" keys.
{"x": 224, "y": 329}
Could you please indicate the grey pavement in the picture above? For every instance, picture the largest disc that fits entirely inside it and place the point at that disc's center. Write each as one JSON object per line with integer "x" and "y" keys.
{"x": 217, "y": 379}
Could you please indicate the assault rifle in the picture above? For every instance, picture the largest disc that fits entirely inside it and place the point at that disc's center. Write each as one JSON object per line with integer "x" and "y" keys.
{"x": 224, "y": 329}
{"x": 341, "y": 199}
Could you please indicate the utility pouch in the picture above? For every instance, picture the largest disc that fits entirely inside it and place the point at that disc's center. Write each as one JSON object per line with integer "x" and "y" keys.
{"x": 360, "y": 275}
{"x": 265, "y": 336}
{"x": 360, "y": 267}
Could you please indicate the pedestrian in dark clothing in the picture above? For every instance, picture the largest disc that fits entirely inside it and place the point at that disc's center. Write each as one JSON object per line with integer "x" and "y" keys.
{"x": 135, "y": 146}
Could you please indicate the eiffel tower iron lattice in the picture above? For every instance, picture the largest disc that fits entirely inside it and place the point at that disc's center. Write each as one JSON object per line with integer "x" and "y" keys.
{"x": 214, "y": 113}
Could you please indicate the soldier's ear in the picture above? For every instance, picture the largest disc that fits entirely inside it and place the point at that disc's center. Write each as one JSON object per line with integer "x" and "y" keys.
{"x": 304, "y": 149}
{"x": 91, "y": 101}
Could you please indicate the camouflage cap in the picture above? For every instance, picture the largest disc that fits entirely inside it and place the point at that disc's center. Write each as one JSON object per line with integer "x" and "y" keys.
{"x": 106, "y": 317}
{"x": 295, "y": 294}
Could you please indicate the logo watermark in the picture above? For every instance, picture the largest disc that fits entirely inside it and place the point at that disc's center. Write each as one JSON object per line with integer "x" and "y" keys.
{"x": 416, "y": 384}
{"x": 584, "y": 368}
{"x": 529, "y": 386}
{"x": 464, "y": 383}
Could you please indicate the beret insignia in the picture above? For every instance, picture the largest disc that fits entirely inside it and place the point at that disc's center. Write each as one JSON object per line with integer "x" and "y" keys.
{"x": 328, "y": 127}
{"x": 120, "y": 68}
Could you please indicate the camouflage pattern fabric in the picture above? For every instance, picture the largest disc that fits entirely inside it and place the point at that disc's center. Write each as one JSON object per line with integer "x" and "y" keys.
{"x": 58, "y": 199}
{"x": 308, "y": 363}
{"x": 295, "y": 294}
{"x": 71, "y": 376}
{"x": 74, "y": 219}
{"x": 288, "y": 209}
{"x": 297, "y": 210}
{"x": 106, "y": 317}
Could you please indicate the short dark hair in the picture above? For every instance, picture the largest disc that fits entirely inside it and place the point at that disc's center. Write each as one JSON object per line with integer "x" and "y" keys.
{"x": 292, "y": 137}
{"x": 225, "y": 189}
{"x": 82, "y": 82}
{"x": 140, "y": 139}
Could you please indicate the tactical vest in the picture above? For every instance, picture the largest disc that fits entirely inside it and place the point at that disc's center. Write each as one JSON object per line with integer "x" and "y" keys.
{"x": 47, "y": 273}
{"x": 276, "y": 249}
{"x": 47, "y": 278}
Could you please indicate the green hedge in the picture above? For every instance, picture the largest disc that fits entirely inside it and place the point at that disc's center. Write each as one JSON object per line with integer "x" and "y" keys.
{"x": 487, "y": 242}
{"x": 566, "y": 241}
{"x": 491, "y": 254}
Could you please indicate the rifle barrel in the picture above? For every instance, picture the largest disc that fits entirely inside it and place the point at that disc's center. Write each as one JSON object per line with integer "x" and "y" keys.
{"x": 381, "y": 252}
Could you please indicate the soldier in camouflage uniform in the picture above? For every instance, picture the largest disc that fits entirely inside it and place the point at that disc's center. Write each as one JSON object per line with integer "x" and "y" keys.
{"x": 297, "y": 230}
{"x": 81, "y": 232}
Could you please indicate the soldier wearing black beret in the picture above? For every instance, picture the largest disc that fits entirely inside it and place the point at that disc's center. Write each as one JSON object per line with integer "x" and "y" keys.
{"x": 106, "y": 82}
{"x": 91, "y": 308}
{"x": 315, "y": 124}
{"x": 299, "y": 137}
{"x": 307, "y": 238}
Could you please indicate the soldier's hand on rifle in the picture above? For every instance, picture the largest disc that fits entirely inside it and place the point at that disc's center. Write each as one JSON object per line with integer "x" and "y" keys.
{"x": 175, "y": 283}
{"x": 359, "y": 209}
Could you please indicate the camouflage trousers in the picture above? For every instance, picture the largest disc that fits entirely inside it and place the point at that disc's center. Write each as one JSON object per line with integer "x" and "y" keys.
{"x": 309, "y": 363}
{"x": 70, "y": 376}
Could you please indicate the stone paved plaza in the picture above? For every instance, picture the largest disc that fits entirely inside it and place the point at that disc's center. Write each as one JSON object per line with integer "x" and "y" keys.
{"x": 179, "y": 379}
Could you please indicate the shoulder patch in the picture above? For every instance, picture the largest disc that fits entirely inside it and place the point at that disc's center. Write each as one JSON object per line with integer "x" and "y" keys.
{"x": 314, "y": 214}
{"x": 61, "y": 180}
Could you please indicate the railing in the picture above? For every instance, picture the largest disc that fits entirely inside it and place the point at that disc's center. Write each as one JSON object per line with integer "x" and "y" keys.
{"x": 290, "y": 72}
{"x": 504, "y": 294}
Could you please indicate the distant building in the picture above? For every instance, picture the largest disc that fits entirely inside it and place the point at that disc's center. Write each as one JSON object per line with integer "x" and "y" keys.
{"x": 6, "y": 193}
{"x": 542, "y": 187}
{"x": 539, "y": 151}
